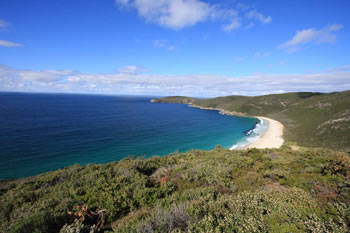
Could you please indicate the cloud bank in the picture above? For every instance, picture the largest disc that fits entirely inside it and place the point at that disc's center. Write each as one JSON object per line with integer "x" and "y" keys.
{"x": 178, "y": 14}
{"x": 120, "y": 83}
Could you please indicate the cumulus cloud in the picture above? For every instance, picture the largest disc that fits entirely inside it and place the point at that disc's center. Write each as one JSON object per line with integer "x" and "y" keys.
{"x": 254, "y": 14}
{"x": 178, "y": 14}
{"x": 5, "y": 43}
{"x": 191, "y": 85}
{"x": 175, "y": 14}
{"x": 311, "y": 35}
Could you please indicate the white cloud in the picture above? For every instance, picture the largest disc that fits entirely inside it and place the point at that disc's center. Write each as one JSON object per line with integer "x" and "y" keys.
{"x": 254, "y": 14}
{"x": 223, "y": 13}
{"x": 235, "y": 24}
{"x": 301, "y": 37}
{"x": 174, "y": 14}
{"x": 311, "y": 35}
{"x": 132, "y": 70}
{"x": 178, "y": 14}
{"x": 191, "y": 85}
{"x": 5, "y": 43}
{"x": 338, "y": 69}
{"x": 3, "y": 24}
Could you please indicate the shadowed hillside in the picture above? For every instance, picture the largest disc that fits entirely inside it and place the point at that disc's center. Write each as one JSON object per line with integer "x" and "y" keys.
{"x": 311, "y": 119}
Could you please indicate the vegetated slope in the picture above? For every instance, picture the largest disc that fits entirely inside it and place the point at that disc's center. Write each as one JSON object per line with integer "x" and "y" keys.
{"x": 322, "y": 121}
{"x": 311, "y": 119}
{"x": 272, "y": 190}
{"x": 175, "y": 99}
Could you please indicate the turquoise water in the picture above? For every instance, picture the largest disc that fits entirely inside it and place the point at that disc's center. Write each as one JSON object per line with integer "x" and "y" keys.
{"x": 44, "y": 132}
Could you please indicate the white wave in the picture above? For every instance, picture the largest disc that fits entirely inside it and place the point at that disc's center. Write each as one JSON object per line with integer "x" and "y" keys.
{"x": 257, "y": 132}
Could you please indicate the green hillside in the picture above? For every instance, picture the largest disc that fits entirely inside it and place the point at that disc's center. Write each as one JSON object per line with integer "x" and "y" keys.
{"x": 272, "y": 190}
{"x": 310, "y": 119}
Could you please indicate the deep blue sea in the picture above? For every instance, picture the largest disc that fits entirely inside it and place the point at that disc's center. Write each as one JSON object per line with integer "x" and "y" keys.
{"x": 44, "y": 132}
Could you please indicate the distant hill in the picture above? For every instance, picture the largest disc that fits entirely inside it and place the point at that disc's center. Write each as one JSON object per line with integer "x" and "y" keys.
{"x": 311, "y": 119}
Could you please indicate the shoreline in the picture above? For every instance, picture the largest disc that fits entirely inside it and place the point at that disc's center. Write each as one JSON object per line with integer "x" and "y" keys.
{"x": 221, "y": 111}
{"x": 272, "y": 138}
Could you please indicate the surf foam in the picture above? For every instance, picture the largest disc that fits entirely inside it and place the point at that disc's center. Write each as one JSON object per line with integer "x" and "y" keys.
{"x": 252, "y": 135}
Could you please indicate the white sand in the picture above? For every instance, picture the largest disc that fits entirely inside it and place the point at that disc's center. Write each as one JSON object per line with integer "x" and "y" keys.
{"x": 273, "y": 137}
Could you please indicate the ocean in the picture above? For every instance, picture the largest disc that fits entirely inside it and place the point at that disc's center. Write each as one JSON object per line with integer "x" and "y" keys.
{"x": 44, "y": 132}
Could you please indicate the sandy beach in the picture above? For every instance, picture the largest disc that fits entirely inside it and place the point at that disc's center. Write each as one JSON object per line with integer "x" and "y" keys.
{"x": 273, "y": 137}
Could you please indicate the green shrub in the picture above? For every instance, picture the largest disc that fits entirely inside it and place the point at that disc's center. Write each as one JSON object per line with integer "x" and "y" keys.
{"x": 39, "y": 222}
{"x": 277, "y": 190}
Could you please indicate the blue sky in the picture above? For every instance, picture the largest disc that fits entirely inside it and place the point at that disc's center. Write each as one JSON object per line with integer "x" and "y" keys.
{"x": 174, "y": 47}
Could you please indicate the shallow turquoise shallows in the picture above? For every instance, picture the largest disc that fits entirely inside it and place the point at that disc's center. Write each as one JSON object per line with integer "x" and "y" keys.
{"x": 44, "y": 132}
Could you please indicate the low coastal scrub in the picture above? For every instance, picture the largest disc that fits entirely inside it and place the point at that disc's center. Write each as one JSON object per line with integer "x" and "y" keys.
{"x": 271, "y": 190}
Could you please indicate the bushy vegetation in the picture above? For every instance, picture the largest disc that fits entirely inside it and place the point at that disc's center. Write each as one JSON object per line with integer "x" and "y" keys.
{"x": 272, "y": 190}
{"x": 311, "y": 119}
